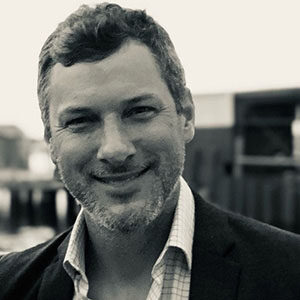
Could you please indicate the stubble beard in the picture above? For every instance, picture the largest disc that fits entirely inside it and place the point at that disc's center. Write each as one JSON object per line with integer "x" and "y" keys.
{"x": 165, "y": 181}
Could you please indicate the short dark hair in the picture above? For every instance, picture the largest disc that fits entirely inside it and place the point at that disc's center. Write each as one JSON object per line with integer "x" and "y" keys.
{"x": 94, "y": 33}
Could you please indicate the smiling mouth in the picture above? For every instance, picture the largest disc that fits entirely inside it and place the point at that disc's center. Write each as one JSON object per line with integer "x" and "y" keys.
{"x": 119, "y": 178}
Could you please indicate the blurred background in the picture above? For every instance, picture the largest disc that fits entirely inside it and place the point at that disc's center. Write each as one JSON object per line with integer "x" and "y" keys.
{"x": 242, "y": 65}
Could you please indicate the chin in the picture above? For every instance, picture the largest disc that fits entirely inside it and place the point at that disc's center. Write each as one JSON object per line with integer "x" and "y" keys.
{"x": 125, "y": 222}
{"x": 125, "y": 218}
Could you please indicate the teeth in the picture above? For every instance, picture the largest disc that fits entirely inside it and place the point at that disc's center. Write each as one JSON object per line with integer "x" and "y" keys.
{"x": 120, "y": 178}
{"x": 115, "y": 180}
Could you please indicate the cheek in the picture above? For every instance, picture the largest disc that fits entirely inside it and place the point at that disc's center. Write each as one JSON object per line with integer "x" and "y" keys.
{"x": 75, "y": 151}
{"x": 161, "y": 138}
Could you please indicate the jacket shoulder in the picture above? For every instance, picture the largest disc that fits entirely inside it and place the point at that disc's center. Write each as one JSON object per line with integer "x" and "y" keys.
{"x": 33, "y": 253}
{"x": 246, "y": 231}
{"x": 253, "y": 232}
{"x": 20, "y": 270}
{"x": 267, "y": 258}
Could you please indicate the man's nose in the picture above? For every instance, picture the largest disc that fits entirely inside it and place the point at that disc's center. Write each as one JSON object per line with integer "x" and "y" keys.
{"x": 115, "y": 143}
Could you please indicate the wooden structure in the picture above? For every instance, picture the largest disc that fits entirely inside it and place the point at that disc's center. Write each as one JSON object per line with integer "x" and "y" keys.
{"x": 35, "y": 202}
{"x": 249, "y": 167}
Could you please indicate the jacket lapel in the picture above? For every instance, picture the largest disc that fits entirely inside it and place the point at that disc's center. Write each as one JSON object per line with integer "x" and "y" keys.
{"x": 214, "y": 274}
{"x": 56, "y": 283}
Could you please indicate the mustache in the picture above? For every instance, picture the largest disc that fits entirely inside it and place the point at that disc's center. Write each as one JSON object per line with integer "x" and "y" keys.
{"x": 109, "y": 170}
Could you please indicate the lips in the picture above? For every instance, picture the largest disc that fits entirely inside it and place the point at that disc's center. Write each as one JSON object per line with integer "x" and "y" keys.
{"x": 120, "y": 178}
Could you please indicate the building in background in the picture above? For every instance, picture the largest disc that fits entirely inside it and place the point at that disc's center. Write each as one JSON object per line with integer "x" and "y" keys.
{"x": 14, "y": 148}
{"x": 246, "y": 161}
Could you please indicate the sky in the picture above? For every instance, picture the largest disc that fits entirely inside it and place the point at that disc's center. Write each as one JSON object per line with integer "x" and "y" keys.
{"x": 224, "y": 46}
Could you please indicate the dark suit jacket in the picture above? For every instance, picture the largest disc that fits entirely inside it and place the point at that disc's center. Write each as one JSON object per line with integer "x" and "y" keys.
{"x": 233, "y": 258}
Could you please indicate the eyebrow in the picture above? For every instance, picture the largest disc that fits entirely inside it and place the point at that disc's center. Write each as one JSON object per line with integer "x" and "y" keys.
{"x": 140, "y": 98}
{"x": 69, "y": 111}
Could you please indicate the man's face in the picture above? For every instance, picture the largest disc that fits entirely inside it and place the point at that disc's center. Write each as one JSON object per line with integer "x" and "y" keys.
{"x": 117, "y": 139}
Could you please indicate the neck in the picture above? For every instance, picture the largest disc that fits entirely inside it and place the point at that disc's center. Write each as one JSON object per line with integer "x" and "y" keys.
{"x": 130, "y": 255}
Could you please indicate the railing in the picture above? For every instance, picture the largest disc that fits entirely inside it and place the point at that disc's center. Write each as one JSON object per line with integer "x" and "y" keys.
{"x": 264, "y": 188}
{"x": 268, "y": 189}
{"x": 28, "y": 201}
{"x": 271, "y": 199}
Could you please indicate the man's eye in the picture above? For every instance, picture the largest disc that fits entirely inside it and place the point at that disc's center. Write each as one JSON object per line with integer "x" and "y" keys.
{"x": 141, "y": 111}
{"x": 77, "y": 122}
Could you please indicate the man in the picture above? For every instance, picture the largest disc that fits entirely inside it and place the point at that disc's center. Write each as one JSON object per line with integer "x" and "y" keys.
{"x": 117, "y": 116}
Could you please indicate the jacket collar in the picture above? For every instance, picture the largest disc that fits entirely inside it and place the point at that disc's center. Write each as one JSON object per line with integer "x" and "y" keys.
{"x": 214, "y": 274}
{"x": 56, "y": 283}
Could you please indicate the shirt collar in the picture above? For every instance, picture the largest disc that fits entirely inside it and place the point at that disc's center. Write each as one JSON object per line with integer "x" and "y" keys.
{"x": 74, "y": 261}
{"x": 182, "y": 230}
{"x": 181, "y": 234}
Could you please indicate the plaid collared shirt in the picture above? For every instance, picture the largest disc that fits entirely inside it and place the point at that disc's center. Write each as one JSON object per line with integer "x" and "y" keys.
{"x": 171, "y": 273}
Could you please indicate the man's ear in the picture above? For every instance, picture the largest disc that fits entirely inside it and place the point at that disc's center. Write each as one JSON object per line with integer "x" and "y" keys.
{"x": 52, "y": 151}
{"x": 53, "y": 155}
{"x": 188, "y": 112}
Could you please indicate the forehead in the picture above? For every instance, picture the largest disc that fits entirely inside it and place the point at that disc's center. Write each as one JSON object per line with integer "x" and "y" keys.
{"x": 130, "y": 71}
